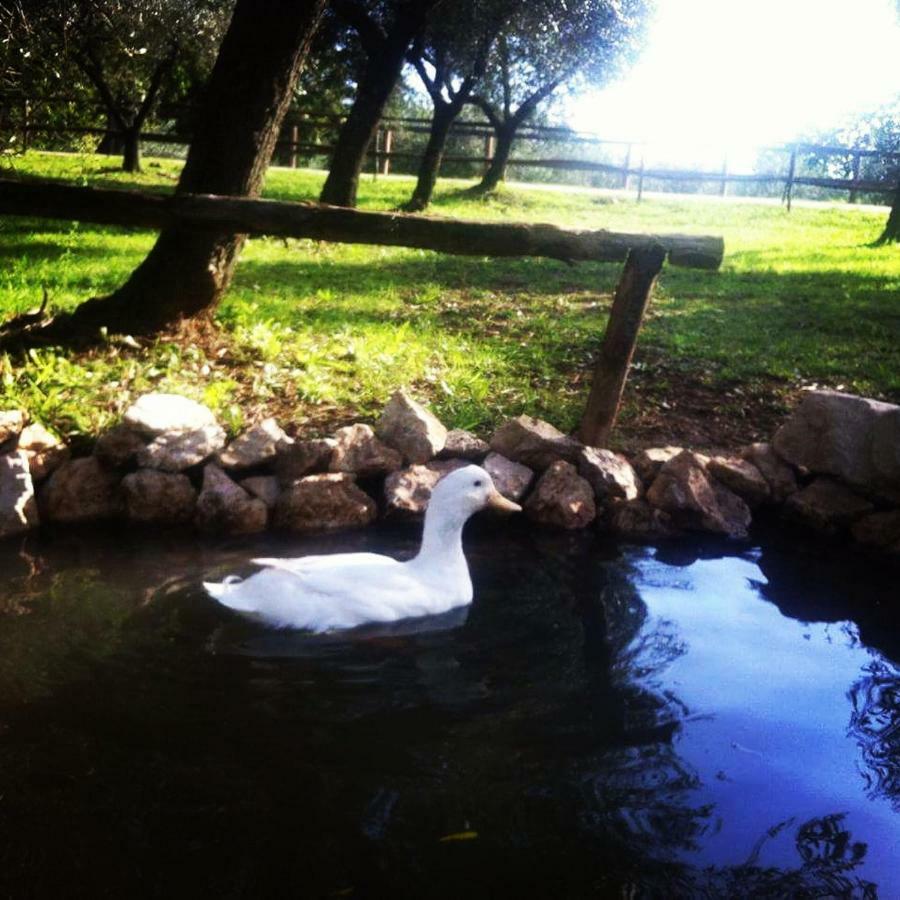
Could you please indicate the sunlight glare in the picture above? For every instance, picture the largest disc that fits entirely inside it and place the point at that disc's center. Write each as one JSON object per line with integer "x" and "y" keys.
{"x": 727, "y": 74}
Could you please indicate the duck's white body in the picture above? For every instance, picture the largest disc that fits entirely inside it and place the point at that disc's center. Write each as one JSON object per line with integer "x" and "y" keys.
{"x": 323, "y": 593}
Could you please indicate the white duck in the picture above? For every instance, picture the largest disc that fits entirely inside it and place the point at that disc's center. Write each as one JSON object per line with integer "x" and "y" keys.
{"x": 344, "y": 590}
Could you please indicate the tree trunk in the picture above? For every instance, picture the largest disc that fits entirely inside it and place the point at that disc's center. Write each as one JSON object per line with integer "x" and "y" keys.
{"x": 891, "y": 233}
{"x": 111, "y": 142}
{"x": 380, "y": 76}
{"x": 249, "y": 91}
{"x": 430, "y": 166}
{"x": 131, "y": 153}
{"x": 496, "y": 171}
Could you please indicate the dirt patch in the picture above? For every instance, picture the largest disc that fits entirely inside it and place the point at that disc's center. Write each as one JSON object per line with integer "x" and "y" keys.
{"x": 671, "y": 404}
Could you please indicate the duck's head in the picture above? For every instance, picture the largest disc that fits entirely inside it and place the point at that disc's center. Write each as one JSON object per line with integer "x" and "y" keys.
{"x": 468, "y": 490}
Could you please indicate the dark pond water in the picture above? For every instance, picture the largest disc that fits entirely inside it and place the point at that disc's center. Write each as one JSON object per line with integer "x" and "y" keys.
{"x": 605, "y": 721}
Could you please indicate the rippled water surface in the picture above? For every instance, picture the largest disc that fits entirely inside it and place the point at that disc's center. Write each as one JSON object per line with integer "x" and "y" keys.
{"x": 603, "y": 721}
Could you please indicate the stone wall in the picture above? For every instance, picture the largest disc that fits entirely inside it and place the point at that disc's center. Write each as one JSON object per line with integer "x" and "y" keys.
{"x": 833, "y": 467}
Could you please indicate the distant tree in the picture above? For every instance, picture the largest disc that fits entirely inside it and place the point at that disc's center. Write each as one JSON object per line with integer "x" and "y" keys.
{"x": 544, "y": 45}
{"x": 891, "y": 233}
{"x": 249, "y": 91}
{"x": 875, "y": 130}
{"x": 450, "y": 57}
{"x": 126, "y": 52}
{"x": 384, "y": 30}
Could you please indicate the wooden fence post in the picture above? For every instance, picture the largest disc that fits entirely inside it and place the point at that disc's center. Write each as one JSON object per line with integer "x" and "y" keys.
{"x": 26, "y": 113}
{"x": 627, "y": 166}
{"x": 724, "y": 188}
{"x": 388, "y": 144}
{"x": 789, "y": 185}
{"x": 376, "y": 155}
{"x": 295, "y": 139}
{"x": 632, "y": 295}
{"x": 488, "y": 151}
{"x": 854, "y": 194}
{"x": 641, "y": 179}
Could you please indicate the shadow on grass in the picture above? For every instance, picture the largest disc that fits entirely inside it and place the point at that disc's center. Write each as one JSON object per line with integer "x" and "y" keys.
{"x": 46, "y": 251}
{"x": 425, "y": 269}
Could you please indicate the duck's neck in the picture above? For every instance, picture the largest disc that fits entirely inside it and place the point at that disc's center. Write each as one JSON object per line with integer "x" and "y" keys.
{"x": 442, "y": 538}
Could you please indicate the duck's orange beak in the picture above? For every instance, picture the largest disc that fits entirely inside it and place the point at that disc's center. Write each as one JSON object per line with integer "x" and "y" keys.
{"x": 499, "y": 503}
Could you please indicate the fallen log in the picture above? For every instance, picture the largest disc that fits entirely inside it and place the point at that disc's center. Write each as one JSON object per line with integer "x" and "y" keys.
{"x": 329, "y": 223}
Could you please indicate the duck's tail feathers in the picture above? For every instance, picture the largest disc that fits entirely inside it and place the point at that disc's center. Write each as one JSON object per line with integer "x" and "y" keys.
{"x": 227, "y": 593}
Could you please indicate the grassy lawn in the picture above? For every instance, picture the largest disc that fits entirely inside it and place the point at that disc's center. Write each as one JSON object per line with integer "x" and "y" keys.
{"x": 321, "y": 333}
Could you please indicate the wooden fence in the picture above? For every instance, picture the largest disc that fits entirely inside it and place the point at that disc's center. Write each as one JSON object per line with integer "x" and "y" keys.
{"x": 631, "y": 171}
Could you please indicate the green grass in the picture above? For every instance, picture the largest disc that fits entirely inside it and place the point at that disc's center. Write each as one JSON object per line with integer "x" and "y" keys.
{"x": 319, "y": 333}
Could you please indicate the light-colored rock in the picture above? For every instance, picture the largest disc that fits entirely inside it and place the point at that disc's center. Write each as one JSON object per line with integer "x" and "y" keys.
{"x": 780, "y": 476}
{"x": 879, "y": 531}
{"x": 742, "y": 477}
{"x": 462, "y": 444}
{"x": 155, "y": 414}
{"x": 45, "y": 451}
{"x": 358, "y": 452}
{"x": 534, "y": 443}
{"x": 408, "y": 491}
{"x": 264, "y": 487}
{"x": 158, "y": 497}
{"x": 511, "y": 479}
{"x": 118, "y": 448}
{"x": 562, "y": 498}
{"x": 826, "y": 506}
{"x": 638, "y": 520}
{"x": 695, "y": 501}
{"x": 179, "y": 450}
{"x": 610, "y": 475}
{"x": 224, "y": 507}
{"x": 647, "y": 463}
{"x": 302, "y": 458}
{"x": 254, "y": 447}
{"x": 18, "y": 507}
{"x": 82, "y": 490}
{"x": 324, "y": 503}
{"x": 409, "y": 427}
{"x": 850, "y": 437}
{"x": 12, "y": 421}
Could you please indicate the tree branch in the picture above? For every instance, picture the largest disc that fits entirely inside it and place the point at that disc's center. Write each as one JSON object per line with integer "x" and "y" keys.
{"x": 371, "y": 35}
{"x": 156, "y": 80}
{"x": 93, "y": 68}
{"x": 529, "y": 104}
{"x": 488, "y": 110}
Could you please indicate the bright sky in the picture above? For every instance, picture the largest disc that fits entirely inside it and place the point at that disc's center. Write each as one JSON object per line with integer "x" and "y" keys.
{"x": 739, "y": 73}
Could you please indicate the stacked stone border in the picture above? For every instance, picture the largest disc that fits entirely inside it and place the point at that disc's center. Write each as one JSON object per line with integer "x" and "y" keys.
{"x": 833, "y": 467}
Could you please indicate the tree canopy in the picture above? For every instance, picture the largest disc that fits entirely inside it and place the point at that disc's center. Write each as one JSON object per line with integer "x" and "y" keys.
{"x": 126, "y": 55}
{"x": 545, "y": 45}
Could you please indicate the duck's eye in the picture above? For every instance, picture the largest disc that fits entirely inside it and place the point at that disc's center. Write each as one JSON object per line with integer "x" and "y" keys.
{"x": 478, "y": 483}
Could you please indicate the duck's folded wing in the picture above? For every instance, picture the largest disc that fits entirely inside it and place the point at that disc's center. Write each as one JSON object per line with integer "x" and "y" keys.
{"x": 330, "y": 592}
{"x": 305, "y": 564}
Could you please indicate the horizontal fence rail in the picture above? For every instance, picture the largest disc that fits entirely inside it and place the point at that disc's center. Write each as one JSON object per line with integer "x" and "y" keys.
{"x": 47, "y": 199}
{"x": 633, "y": 170}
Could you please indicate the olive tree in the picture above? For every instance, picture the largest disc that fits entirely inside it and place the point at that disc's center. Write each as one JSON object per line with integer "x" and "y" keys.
{"x": 547, "y": 44}
{"x": 450, "y": 57}
{"x": 124, "y": 52}
{"x": 384, "y": 29}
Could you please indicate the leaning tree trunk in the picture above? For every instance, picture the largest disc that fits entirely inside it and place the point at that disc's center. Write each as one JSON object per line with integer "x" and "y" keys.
{"x": 891, "y": 233}
{"x": 430, "y": 165}
{"x": 358, "y": 130}
{"x": 380, "y": 77}
{"x": 496, "y": 171}
{"x": 249, "y": 91}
